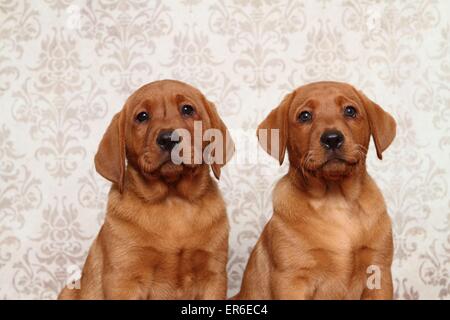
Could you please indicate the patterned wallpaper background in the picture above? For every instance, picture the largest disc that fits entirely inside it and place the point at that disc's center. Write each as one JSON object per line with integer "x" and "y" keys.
{"x": 67, "y": 66}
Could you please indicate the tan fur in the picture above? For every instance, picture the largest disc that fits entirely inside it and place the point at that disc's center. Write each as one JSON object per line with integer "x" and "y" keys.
{"x": 165, "y": 234}
{"x": 330, "y": 221}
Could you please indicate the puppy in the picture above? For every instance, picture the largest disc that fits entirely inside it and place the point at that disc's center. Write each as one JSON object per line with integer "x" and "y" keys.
{"x": 330, "y": 236}
{"x": 165, "y": 234}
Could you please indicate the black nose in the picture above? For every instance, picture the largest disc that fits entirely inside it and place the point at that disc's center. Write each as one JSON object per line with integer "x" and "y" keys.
{"x": 332, "y": 139}
{"x": 167, "y": 139}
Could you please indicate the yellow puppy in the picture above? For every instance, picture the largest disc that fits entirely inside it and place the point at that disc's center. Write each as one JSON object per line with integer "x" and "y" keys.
{"x": 165, "y": 234}
{"x": 330, "y": 229}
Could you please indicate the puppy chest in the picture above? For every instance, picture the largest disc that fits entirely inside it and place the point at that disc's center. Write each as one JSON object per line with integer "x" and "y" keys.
{"x": 342, "y": 275}
{"x": 340, "y": 251}
{"x": 337, "y": 224}
{"x": 181, "y": 273}
{"x": 179, "y": 221}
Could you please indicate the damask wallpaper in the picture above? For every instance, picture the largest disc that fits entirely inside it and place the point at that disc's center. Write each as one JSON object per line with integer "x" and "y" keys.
{"x": 67, "y": 66}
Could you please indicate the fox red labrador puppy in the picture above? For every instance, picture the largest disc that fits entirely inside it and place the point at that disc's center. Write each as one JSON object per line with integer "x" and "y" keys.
{"x": 330, "y": 236}
{"x": 165, "y": 234}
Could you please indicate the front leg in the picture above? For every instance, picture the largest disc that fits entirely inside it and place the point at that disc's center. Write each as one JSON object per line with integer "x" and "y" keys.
{"x": 122, "y": 285}
{"x": 212, "y": 276}
{"x": 378, "y": 289}
{"x": 379, "y": 260}
{"x": 211, "y": 265}
{"x": 291, "y": 285}
{"x": 215, "y": 287}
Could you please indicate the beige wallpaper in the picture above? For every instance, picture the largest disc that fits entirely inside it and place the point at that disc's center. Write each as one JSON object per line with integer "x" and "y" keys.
{"x": 66, "y": 67}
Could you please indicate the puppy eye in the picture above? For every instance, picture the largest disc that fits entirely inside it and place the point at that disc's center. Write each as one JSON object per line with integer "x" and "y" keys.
{"x": 142, "y": 116}
{"x": 350, "y": 111}
{"x": 305, "y": 116}
{"x": 187, "y": 110}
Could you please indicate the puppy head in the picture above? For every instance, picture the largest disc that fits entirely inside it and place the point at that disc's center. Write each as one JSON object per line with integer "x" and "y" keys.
{"x": 151, "y": 125}
{"x": 326, "y": 128}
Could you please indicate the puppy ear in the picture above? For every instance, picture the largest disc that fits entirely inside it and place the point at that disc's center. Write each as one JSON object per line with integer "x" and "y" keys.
{"x": 227, "y": 145}
{"x": 277, "y": 119}
{"x": 110, "y": 157}
{"x": 382, "y": 125}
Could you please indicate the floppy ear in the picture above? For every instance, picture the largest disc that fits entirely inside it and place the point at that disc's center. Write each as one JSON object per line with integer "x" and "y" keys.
{"x": 110, "y": 157}
{"x": 277, "y": 119}
{"x": 227, "y": 145}
{"x": 382, "y": 125}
